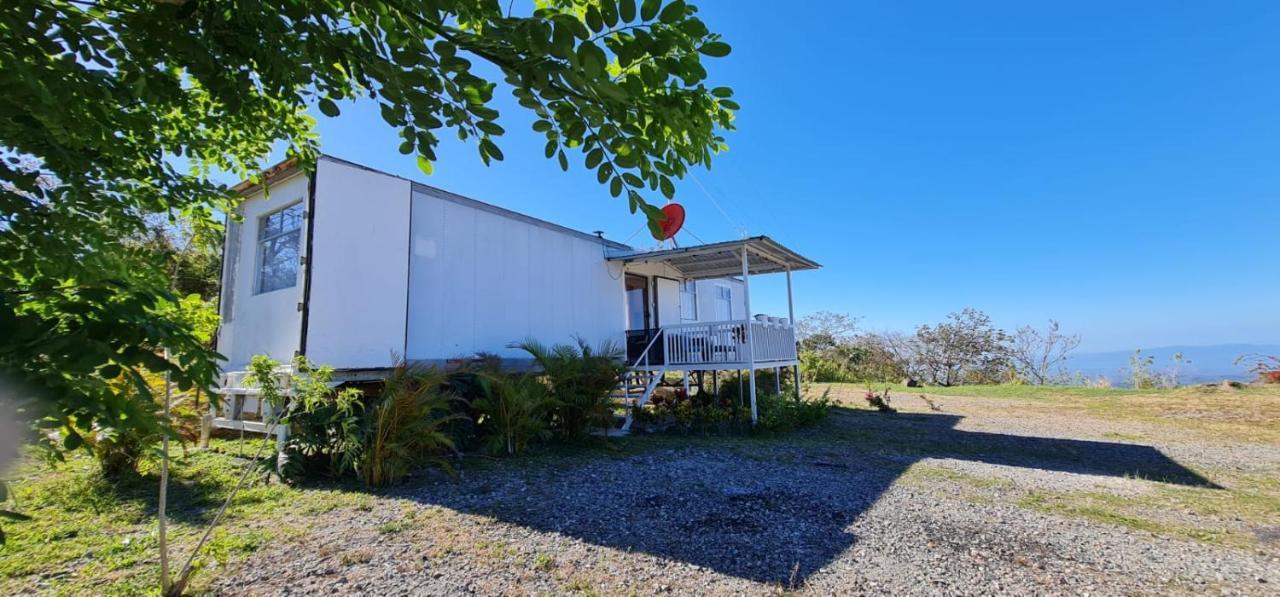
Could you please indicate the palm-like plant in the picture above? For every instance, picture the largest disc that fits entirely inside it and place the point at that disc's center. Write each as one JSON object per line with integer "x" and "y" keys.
{"x": 406, "y": 426}
{"x": 512, "y": 411}
{"x": 580, "y": 379}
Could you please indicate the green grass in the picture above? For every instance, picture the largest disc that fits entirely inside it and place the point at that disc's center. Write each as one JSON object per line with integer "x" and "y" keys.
{"x": 89, "y": 535}
{"x": 1144, "y": 512}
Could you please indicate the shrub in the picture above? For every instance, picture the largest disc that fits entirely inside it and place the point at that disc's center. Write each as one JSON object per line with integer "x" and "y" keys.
{"x": 511, "y": 411}
{"x": 326, "y": 427}
{"x": 777, "y": 413}
{"x": 120, "y": 448}
{"x": 702, "y": 413}
{"x": 880, "y": 401}
{"x": 580, "y": 379}
{"x": 343, "y": 432}
{"x": 764, "y": 383}
{"x": 405, "y": 428}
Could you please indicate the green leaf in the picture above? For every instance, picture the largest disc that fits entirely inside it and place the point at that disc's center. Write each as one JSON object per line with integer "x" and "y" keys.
{"x": 668, "y": 189}
{"x": 722, "y": 92}
{"x": 564, "y": 161}
{"x": 715, "y": 49}
{"x": 488, "y": 147}
{"x": 490, "y": 127}
{"x": 615, "y": 186}
{"x": 627, "y": 10}
{"x": 594, "y": 21}
{"x": 649, "y": 9}
{"x": 328, "y": 108}
{"x": 592, "y": 58}
{"x": 71, "y": 440}
{"x": 425, "y": 165}
{"x": 609, "y": 12}
{"x": 673, "y": 12}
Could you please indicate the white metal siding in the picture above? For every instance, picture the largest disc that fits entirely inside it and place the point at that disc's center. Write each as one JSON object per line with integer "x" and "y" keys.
{"x": 267, "y": 323}
{"x": 359, "y": 267}
{"x": 708, "y": 293}
{"x": 480, "y": 281}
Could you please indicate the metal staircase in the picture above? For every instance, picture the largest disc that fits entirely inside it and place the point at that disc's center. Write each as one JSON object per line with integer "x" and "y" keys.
{"x": 634, "y": 391}
{"x": 637, "y": 385}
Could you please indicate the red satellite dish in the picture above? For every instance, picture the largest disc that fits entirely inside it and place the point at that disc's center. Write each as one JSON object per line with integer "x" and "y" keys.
{"x": 675, "y": 219}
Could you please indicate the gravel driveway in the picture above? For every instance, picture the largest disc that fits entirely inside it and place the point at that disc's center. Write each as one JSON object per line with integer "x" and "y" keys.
{"x": 920, "y": 502}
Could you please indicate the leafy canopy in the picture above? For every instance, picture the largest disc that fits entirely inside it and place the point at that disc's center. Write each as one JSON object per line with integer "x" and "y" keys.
{"x": 108, "y": 97}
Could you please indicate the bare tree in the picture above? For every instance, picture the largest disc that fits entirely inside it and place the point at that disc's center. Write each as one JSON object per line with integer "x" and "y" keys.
{"x": 1265, "y": 366}
{"x": 904, "y": 351}
{"x": 1039, "y": 356}
{"x": 965, "y": 348}
{"x": 839, "y": 327}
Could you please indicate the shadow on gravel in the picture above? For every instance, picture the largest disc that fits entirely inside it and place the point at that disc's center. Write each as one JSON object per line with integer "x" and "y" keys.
{"x": 772, "y": 511}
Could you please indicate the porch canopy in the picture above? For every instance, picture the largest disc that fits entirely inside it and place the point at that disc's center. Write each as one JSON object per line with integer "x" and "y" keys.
{"x": 724, "y": 259}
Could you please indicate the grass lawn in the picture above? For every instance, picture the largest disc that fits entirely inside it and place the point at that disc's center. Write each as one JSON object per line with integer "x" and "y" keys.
{"x": 1249, "y": 414}
{"x": 88, "y": 535}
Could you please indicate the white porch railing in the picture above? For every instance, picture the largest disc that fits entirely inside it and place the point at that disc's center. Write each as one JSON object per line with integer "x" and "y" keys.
{"x": 725, "y": 343}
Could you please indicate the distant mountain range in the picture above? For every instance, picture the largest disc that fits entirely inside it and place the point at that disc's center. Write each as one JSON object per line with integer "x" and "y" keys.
{"x": 1203, "y": 364}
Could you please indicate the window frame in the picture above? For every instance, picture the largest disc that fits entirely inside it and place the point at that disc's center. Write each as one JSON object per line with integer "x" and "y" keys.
{"x": 260, "y": 242}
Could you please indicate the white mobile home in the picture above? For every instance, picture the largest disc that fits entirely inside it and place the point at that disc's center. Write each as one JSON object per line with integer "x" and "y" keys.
{"x": 353, "y": 268}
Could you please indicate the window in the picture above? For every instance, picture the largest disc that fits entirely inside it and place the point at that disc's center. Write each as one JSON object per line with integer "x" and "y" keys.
{"x": 689, "y": 300}
{"x": 279, "y": 235}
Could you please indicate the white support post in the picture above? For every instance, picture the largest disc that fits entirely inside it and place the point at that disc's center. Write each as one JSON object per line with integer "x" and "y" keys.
{"x": 791, "y": 318}
{"x": 777, "y": 381}
{"x": 686, "y": 384}
{"x": 751, "y": 346}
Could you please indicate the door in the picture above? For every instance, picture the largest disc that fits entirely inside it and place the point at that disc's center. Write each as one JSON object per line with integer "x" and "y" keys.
{"x": 724, "y": 302}
{"x": 637, "y": 288}
{"x": 668, "y": 301}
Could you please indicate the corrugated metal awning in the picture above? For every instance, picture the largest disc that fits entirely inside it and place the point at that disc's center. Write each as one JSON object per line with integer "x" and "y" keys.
{"x": 723, "y": 259}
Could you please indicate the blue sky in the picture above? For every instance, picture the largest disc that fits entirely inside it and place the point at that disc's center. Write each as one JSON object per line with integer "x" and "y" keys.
{"x": 1110, "y": 165}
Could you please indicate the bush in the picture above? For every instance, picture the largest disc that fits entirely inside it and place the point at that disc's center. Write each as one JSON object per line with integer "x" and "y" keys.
{"x": 764, "y": 383}
{"x": 345, "y": 432}
{"x": 120, "y": 448}
{"x": 511, "y": 411}
{"x": 326, "y": 427}
{"x": 580, "y": 379}
{"x": 702, "y": 413}
{"x": 406, "y": 426}
{"x": 777, "y": 413}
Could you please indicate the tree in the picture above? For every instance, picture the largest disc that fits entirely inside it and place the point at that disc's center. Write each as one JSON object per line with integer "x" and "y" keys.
{"x": 1140, "y": 375}
{"x": 830, "y": 327}
{"x": 108, "y": 97}
{"x": 1039, "y": 356}
{"x": 965, "y": 348}
{"x": 1265, "y": 366}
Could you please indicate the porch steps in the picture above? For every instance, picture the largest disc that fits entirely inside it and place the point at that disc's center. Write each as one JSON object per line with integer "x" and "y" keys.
{"x": 633, "y": 391}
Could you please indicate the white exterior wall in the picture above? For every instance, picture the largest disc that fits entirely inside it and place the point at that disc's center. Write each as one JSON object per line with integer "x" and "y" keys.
{"x": 480, "y": 280}
{"x": 359, "y": 267}
{"x": 707, "y": 298}
{"x": 268, "y": 323}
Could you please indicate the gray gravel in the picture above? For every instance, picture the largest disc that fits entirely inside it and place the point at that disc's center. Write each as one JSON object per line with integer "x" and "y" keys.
{"x": 827, "y": 512}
